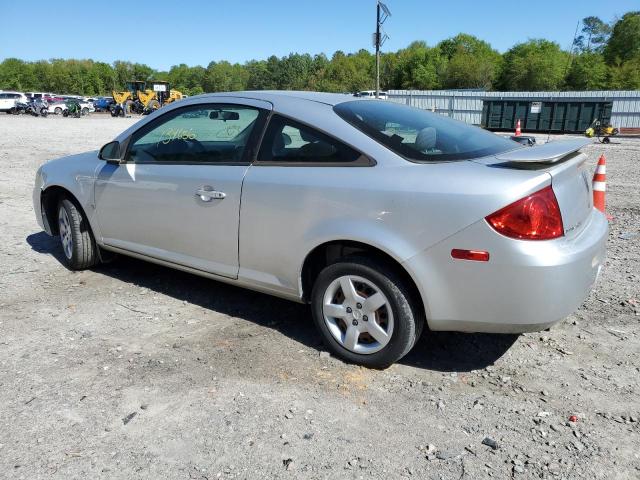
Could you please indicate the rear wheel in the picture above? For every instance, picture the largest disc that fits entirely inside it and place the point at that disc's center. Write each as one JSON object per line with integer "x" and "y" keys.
{"x": 85, "y": 111}
{"x": 78, "y": 244}
{"x": 365, "y": 312}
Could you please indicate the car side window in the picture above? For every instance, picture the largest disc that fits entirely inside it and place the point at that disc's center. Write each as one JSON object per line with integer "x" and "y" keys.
{"x": 207, "y": 133}
{"x": 288, "y": 141}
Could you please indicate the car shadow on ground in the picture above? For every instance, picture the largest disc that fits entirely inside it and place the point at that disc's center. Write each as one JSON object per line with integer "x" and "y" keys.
{"x": 438, "y": 351}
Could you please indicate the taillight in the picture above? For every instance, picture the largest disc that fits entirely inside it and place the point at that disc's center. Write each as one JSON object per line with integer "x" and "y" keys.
{"x": 535, "y": 217}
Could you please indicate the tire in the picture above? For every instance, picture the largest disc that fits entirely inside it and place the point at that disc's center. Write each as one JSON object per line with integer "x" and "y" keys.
{"x": 85, "y": 111}
{"x": 44, "y": 112}
{"x": 78, "y": 244}
{"x": 65, "y": 113}
{"x": 57, "y": 110}
{"x": 398, "y": 323}
{"x": 153, "y": 105}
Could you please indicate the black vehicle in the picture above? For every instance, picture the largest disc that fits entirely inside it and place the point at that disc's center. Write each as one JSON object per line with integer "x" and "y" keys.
{"x": 37, "y": 107}
{"x": 19, "y": 108}
{"x": 135, "y": 106}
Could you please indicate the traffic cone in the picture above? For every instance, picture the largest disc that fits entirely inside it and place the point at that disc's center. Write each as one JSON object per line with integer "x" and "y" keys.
{"x": 600, "y": 185}
{"x": 518, "y": 131}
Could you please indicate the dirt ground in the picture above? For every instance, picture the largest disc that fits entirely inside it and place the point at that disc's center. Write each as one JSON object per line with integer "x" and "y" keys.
{"x": 133, "y": 370}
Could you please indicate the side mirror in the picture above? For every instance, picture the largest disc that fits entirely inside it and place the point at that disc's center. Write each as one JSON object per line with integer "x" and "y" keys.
{"x": 110, "y": 152}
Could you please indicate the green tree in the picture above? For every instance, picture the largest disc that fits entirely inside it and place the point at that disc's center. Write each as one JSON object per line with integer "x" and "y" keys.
{"x": 625, "y": 76}
{"x": 534, "y": 65}
{"x": 349, "y": 73}
{"x": 471, "y": 62}
{"x": 16, "y": 74}
{"x": 419, "y": 66}
{"x": 624, "y": 43}
{"x": 224, "y": 77}
{"x": 588, "y": 71}
{"x": 593, "y": 35}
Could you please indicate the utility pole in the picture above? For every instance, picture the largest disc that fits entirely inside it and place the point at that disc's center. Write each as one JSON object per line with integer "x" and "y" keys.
{"x": 382, "y": 13}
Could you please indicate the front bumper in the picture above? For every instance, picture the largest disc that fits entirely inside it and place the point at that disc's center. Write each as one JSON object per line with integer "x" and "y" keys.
{"x": 525, "y": 285}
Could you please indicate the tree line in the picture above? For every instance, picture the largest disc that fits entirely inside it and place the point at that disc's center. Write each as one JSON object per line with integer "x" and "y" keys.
{"x": 603, "y": 57}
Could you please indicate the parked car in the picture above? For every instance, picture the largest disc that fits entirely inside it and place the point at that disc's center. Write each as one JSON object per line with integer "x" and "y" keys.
{"x": 371, "y": 94}
{"x": 103, "y": 104}
{"x": 380, "y": 215}
{"x": 36, "y": 95}
{"x": 8, "y": 100}
{"x": 59, "y": 107}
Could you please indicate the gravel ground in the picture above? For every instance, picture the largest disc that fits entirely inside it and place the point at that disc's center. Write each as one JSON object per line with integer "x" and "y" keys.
{"x": 132, "y": 370}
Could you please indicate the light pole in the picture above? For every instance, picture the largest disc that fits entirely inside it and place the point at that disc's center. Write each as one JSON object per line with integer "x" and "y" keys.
{"x": 382, "y": 13}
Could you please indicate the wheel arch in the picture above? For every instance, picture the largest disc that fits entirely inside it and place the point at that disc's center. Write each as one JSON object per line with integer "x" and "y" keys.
{"x": 49, "y": 200}
{"x": 331, "y": 251}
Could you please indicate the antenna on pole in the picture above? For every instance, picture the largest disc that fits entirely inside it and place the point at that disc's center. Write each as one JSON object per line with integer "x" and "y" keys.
{"x": 382, "y": 14}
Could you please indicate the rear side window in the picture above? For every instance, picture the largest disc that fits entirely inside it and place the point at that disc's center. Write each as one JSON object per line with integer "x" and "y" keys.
{"x": 287, "y": 141}
{"x": 419, "y": 135}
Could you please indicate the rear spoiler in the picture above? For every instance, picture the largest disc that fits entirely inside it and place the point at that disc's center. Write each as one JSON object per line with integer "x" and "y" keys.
{"x": 550, "y": 152}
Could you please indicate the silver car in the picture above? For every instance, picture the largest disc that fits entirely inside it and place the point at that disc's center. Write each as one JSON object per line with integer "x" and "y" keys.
{"x": 381, "y": 216}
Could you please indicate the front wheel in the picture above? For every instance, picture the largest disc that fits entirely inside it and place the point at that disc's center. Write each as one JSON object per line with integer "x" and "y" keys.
{"x": 365, "y": 312}
{"x": 85, "y": 111}
{"x": 78, "y": 244}
{"x": 57, "y": 111}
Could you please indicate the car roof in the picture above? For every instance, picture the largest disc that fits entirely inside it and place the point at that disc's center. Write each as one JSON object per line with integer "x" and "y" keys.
{"x": 285, "y": 96}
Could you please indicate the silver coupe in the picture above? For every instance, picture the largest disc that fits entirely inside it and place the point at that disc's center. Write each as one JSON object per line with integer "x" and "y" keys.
{"x": 381, "y": 216}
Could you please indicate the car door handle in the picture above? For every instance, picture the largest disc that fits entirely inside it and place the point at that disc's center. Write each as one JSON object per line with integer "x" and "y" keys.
{"x": 207, "y": 193}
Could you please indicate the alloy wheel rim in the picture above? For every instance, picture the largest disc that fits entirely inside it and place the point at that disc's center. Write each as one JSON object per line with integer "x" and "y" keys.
{"x": 358, "y": 314}
{"x": 65, "y": 233}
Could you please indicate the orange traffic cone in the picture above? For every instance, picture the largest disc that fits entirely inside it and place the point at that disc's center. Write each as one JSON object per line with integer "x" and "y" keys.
{"x": 600, "y": 185}
{"x": 518, "y": 131}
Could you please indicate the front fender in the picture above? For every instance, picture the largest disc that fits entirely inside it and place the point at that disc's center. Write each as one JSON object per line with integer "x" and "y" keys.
{"x": 76, "y": 175}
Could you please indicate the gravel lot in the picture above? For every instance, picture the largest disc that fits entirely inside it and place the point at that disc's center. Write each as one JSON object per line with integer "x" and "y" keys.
{"x": 132, "y": 370}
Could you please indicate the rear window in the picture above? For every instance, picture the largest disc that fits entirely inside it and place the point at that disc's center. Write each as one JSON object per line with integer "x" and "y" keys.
{"x": 419, "y": 135}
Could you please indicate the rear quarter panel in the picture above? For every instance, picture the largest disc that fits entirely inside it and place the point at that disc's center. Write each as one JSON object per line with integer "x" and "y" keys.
{"x": 401, "y": 208}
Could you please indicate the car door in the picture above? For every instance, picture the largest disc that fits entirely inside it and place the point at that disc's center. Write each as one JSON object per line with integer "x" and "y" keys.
{"x": 175, "y": 196}
{"x": 6, "y": 102}
{"x": 301, "y": 178}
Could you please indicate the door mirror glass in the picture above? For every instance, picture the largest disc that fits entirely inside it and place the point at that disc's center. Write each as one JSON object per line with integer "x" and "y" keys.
{"x": 110, "y": 152}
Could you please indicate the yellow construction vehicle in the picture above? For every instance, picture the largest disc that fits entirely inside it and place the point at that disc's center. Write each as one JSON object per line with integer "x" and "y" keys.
{"x": 141, "y": 97}
{"x": 601, "y": 131}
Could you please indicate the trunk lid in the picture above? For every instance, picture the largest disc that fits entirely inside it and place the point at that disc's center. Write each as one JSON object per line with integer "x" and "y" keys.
{"x": 570, "y": 179}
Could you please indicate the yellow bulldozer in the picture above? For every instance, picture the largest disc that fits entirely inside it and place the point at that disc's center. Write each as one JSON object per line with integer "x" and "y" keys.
{"x": 143, "y": 97}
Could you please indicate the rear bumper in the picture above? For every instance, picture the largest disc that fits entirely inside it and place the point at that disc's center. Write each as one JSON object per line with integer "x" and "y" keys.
{"x": 525, "y": 285}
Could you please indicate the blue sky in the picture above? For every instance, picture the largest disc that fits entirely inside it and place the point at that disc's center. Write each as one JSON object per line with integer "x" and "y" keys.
{"x": 165, "y": 33}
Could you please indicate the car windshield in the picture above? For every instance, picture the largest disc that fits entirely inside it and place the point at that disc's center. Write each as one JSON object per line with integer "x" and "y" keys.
{"x": 419, "y": 135}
